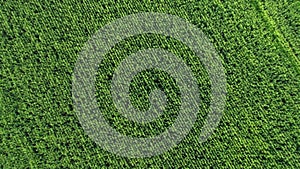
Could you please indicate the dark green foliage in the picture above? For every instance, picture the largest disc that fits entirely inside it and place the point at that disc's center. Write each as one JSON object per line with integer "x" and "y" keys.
{"x": 258, "y": 42}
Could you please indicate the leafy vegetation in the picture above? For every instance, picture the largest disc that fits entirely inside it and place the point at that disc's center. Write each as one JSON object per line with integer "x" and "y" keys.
{"x": 258, "y": 42}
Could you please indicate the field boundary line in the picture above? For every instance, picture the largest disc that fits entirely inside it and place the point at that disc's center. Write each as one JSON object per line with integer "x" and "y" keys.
{"x": 284, "y": 42}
